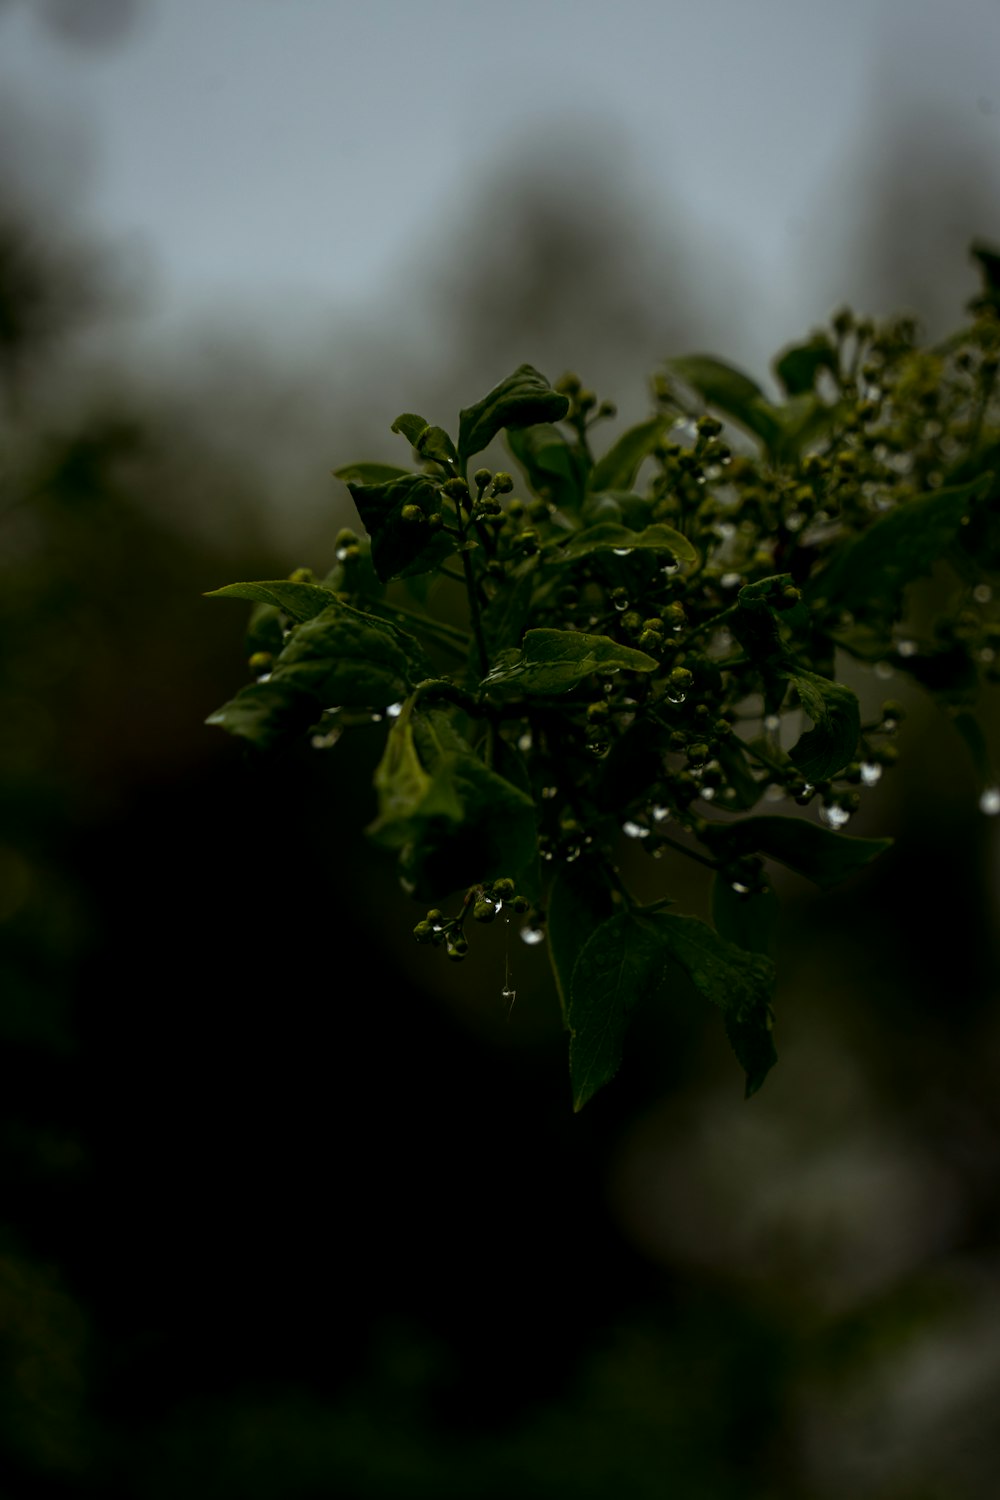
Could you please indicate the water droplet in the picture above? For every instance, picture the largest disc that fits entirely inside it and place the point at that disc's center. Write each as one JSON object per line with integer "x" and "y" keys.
{"x": 532, "y": 936}
{"x": 906, "y": 648}
{"x": 394, "y": 710}
{"x": 883, "y": 670}
{"x": 598, "y": 749}
{"x": 509, "y": 995}
{"x": 335, "y": 708}
{"x": 707, "y": 793}
{"x": 265, "y": 677}
{"x": 795, "y": 521}
{"x": 989, "y": 801}
{"x": 725, "y": 529}
{"x": 674, "y": 695}
{"x": 871, "y": 772}
{"x": 659, "y": 813}
{"x": 633, "y": 830}
{"x": 889, "y": 723}
{"x": 739, "y": 887}
{"x": 548, "y": 792}
{"x": 621, "y": 605}
{"x": 341, "y": 554}
{"x": 622, "y": 551}
{"x": 328, "y": 740}
{"x": 376, "y": 718}
{"x": 669, "y": 569}
{"x": 548, "y": 856}
{"x": 572, "y": 853}
{"x": 833, "y": 815}
{"x": 772, "y": 722}
{"x": 730, "y": 580}
{"x": 982, "y": 593}
{"x": 408, "y": 887}
{"x": 987, "y": 654}
{"x": 524, "y": 742}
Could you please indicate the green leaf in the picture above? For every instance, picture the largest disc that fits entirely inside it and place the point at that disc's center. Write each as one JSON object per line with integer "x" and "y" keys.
{"x": 619, "y": 466}
{"x": 818, "y": 853}
{"x": 434, "y": 443}
{"x": 340, "y": 658}
{"x": 620, "y": 962}
{"x": 873, "y": 569}
{"x": 368, "y": 473}
{"x": 407, "y": 796}
{"x": 553, "y": 661}
{"x": 579, "y": 901}
{"x": 731, "y": 392}
{"x": 740, "y": 983}
{"x": 410, "y": 426}
{"x": 798, "y": 366}
{"x": 739, "y": 775}
{"x": 607, "y": 536}
{"x": 629, "y": 957}
{"x": 301, "y": 601}
{"x": 748, "y": 919}
{"x": 504, "y": 618}
{"x": 551, "y": 465}
{"x": 521, "y": 400}
{"x": 401, "y": 546}
{"x": 821, "y": 752}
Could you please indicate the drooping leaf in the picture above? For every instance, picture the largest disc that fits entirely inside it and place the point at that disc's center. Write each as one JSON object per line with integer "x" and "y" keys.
{"x": 550, "y": 463}
{"x": 617, "y": 469}
{"x": 401, "y": 545}
{"x": 300, "y": 601}
{"x": 579, "y": 901}
{"x": 820, "y": 854}
{"x": 410, "y": 426}
{"x": 629, "y": 957}
{"x": 607, "y": 536}
{"x": 740, "y": 983}
{"x": 339, "y": 658}
{"x": 731, "y": 392}
{"x": 798, "y": 366}
{"x": 524, "y": 398}
{"x": 553, "y": 661}
{"x": 748, "y": 919}
{"x": 621, "y": 961}
{"x": 407, "y": 796}
{"x": 872, "y": 569}
{"x": 823, "y": 751}
{"x": 369, "y": 473}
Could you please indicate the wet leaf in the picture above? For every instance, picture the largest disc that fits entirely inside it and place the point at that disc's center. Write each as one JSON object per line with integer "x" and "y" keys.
{"x": 553, "y": 661}
{"x": 821, "y": 752}
{"x": 620, "y": 465}
{"x": 730, "y": 392}
{"x": 300, "y": 601}
{"x": 521, "y": 400}
{"x": 820, "y": 854}
{"x": 607, "y": 536}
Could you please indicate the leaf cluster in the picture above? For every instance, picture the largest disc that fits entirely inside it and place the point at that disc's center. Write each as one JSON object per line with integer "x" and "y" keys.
{"x": 647, "y": 642}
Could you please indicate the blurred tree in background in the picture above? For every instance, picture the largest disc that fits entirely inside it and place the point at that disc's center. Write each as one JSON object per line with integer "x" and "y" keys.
{"x": 286, "y": 1212}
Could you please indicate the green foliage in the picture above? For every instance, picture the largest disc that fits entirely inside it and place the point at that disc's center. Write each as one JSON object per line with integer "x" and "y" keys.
{"x": 645, "y": 643}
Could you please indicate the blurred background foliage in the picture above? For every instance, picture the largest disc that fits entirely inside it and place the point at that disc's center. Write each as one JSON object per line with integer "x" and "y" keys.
{"x": 287, "y": 1210}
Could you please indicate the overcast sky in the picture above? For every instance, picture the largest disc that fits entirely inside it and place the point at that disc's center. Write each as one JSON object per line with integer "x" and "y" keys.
{"x": 297, "y": 155}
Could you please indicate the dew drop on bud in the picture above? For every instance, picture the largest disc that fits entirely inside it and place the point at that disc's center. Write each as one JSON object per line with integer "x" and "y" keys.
{"x": 871, "y": 772}
{"x": 633, "y": 830}
{"x": 835, "y": 816}
{"x": 622, "y": 551}
{"x": 394, "y": 710}
{"x": 532, "y": 936}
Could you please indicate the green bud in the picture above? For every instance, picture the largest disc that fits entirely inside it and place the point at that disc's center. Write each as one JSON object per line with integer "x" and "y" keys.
{"x": 654, "y": 623}
{"x": 709, "y": 427}
{"x": 455, "y": 489}
{"x": 520, "y": 903}
{"x": 261, "y": 661}
{"x": 503, "y": 888}
{"x": 632, "y": 622}
{"x": 411, "y": 514}
{"x": 424, "y": 932}
{"x": 481, "y": 479}
{"x": 502, "y": 483}
{"x": 651, "y": 641}
{"x": 698, "y": 752}
{"x": 484, "y": 911}
{"x": 680, "y": 677}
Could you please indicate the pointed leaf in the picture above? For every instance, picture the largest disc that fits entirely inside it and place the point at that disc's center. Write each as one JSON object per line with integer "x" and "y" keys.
{"x": 619, "y": 466}
{"x": 369, "y": 473}
{"x": 434, "y": 443}
{"x": 521, "y": 400}
{"x": 620, "y": 962}
{"x": 551, "y": 465}
{"x": 401, "y": 545}
{"x": 607, "y": 536}
{"x": 407, "y": 796}
{"x": 731, "y": 392}
{"x": 553, "y": 661}
{"x": 410, "y": 426}
{"x": 834, "y": 709}
{"x": 818, "y": 853}
{"x": 873, "y": 569}
{"x": 301, "y": 601}
{"x": 748, "y": 919}
{"x": 579, "y": 901}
